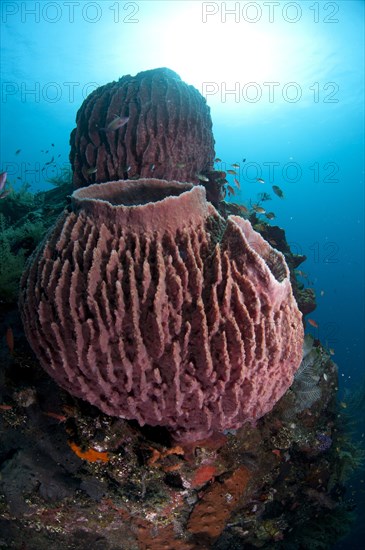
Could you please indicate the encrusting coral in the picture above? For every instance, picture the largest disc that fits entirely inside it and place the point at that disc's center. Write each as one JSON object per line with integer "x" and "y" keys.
{"x": 146, "y": 303}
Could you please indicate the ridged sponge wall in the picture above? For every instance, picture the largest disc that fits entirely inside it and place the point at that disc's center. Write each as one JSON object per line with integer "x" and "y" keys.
{"x": 168, "y": 133}
{"x": 146, "y": 303}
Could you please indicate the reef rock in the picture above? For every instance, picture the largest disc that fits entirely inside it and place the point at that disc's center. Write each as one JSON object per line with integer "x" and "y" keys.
{"x": 145, "y": 302}
{"x": 168, "y": 133}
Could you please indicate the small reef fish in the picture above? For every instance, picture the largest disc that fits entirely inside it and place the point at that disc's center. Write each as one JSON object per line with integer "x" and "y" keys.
{"x": 56, "y": 416}
{"x": 49, "y": 162}
{"x": 90, "y": 455}
{"x": 260, "y": 180}
{"x": 258, "y": 209}
{"x": 3, "y": 193}
{"x": 278, "y": 191}
{"x": 343, "y": 405}
{"x": 230, "y": 190}
{"x": 235, "y": 165}
{"x": 242, "y": 208}
{"x": 17, "y": 151}
{"x": 116, "y": 124}
{"x": 313, "y": 323}
{"x": 201, "y": 177}
{"x": 243, "y": 160}
{"x": 270, "y": 215}
{"x": 3, "y": 177}
{"x": 52, "y": 144}
{"x": 180, "y": 165}
{"x": 232, "y": 172}
{"x": 237, "y": 183}
{"x": 92, "y": 170}
{"x": 217, "y": 160}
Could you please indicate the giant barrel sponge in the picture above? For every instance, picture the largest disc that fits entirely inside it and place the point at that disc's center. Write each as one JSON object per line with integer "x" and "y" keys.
{"x": 167, "y": 134}
{"x": 145, "y": 302}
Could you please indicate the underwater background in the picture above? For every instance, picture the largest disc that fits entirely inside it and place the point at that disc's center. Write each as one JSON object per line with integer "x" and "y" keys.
{"x": 285, "y": 84}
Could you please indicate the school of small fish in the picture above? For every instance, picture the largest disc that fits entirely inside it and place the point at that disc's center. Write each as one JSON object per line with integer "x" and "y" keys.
{"x": 233, "y": 172}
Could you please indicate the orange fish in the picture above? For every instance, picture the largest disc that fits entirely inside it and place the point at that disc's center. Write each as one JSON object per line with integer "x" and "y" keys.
{"x": 90, "y": 455}
{"x": 237, "y": 183}
{"x": 276, "y": 452}
{"x": 10, "y": 339}
{"x": 59, "y": 417}
{"x": 313, "y": 323}
{"x": 230, "y": 190}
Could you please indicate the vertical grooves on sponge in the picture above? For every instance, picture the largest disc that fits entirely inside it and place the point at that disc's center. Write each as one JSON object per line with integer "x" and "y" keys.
{"x": 163, "y": 328}
{"x": 168, "y": 134}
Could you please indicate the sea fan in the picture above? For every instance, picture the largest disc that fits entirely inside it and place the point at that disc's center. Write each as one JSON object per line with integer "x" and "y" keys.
{"x": 305, "y": 388}
{"x": 306, "y": 380}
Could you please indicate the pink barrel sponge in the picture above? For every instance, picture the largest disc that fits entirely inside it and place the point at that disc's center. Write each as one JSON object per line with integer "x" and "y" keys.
{"x": 145, "y": 302}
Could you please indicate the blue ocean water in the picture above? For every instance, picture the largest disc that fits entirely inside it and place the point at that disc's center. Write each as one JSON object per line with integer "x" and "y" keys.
{"x": 285, "y": 82}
